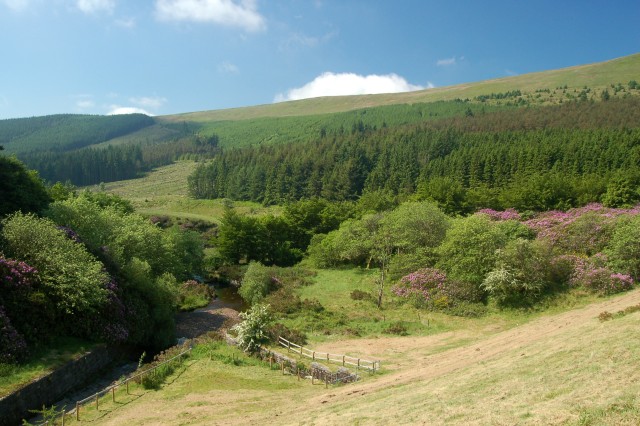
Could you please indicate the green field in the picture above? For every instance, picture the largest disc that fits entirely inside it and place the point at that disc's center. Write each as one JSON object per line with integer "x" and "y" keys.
{"x": 163, "y": 192}
{"x": 552, "y": 368}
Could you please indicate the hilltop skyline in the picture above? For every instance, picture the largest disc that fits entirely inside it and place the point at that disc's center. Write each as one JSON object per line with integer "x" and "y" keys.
{"x": 170, "y": 56}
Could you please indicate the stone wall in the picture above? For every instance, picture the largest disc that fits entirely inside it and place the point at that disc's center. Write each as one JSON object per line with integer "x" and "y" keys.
{"x": 52, "y": 387}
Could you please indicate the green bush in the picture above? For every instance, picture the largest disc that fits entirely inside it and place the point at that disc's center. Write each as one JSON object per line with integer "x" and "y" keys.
{"x": 468, "y": 251}
{"x": 624, "y": 248}
{"x": 257, "y": 283}
{"x": 252, "y": 331}
{"x": 71, "y": 277}
{"x": 522, "y": 273}
{"x": 280, "y": 330}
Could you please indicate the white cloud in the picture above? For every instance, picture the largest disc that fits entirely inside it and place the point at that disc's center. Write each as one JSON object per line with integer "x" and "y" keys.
{"x": 148, "y": 101}
{"x": 446, "y": 62}
{"x": 16, "y": 5}
{"x": 330, "y": 84}
{"x": 119, "y": 110}
{"x": 126, "y": 22}
{"x": 96, "y": 6}
{"x": 85, "y": 103}
{"x": 298, "y": 39}
{"x": 232, "y": 13}
{"x": 227, "y": 67}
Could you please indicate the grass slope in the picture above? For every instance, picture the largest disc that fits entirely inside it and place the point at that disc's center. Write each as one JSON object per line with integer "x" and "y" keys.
{"x": 567, "y": 368}
{"x": 163, "y": 192}
{"x": 620, "y": 70}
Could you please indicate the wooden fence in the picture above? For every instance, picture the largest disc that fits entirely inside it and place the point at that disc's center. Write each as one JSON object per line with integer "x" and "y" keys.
{"x": 96, "y": 396}
{"x": 344, "y": 360}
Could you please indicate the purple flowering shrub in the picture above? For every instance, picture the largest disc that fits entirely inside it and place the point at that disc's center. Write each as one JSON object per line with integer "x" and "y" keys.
{"x": 13, "y": 346}
{"x": 16, "y": 287}
{"x": 584, "y": 230}
{"x": 594, "y": 275}
{"x": 427, "y": 286}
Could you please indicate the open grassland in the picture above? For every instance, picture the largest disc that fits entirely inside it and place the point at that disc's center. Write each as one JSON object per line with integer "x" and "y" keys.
{"x": 506, "y": 368}
{"x": 163, "y": 192}
{"x": 598, "y": 75}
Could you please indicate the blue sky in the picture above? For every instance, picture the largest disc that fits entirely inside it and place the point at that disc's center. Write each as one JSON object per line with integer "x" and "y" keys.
{"x": 172, "y": 56}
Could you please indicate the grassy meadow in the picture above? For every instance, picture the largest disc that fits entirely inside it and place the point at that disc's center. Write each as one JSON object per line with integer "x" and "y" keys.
{"x": 566, "y": 368}
{"x": 163, "y": 192}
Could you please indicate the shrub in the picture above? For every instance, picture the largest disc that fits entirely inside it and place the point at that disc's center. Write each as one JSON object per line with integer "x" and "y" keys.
{"x": 193, "y": 295}
{"x": 258, "y": 281}
{"x": 312, "y": 305}
{"x": 522, "y": 273}
{"x": 424, "y": 286}
{"x": 468, "y": 251}
{"x": 13, "y": 346}
{"x": 397, "y": 328}
{"x": 594, "y": 275}
{"x": 624, "y": 247}
{"x": 279, "y": 330}
{"x": 361, "y": 295}
{"x": 73, "y": 279}
{"x": 284, "y": 300}
{"x": 252, "y": 331}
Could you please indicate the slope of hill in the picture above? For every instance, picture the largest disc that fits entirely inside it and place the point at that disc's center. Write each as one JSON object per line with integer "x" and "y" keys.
{"x": 568, "y": 368}
{"x": 598, "y": 75}
{"x": 126, "y": 146}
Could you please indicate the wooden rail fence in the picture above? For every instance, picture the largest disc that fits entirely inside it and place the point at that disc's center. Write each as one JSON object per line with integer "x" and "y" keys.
{"x": 344, "y": 360}
{"x": 96, "y": 396}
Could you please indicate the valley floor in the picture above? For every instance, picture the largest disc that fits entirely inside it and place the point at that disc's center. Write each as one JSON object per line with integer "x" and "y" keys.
{"x": 569, "y": 368}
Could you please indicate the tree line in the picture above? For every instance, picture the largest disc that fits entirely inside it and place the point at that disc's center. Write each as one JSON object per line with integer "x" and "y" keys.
{"x": 530, "y": 160}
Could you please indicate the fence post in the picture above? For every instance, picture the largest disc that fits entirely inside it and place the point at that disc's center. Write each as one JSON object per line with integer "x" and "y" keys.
{"x": 343, "y": 360}
{"x": 127, "y": 386}
{"x": 283, "y": 368}
{"x": 97, "y": 409}
{"x": 300, "y": 350}
{"x": 288, "y": 346}
{"x": 63, "y": 413}
{"x": 298, "y": 372}
{"x": 313, "y": 356}
{"x": 327, "y": 356}
{"x": 77, "y": 411}
{"x": 113, "y": 394}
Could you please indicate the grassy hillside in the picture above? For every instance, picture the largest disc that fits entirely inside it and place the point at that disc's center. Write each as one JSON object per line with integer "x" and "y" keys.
{"x": 163, "y": 192}
{"x": 597, "y": 75}
{"x": 568, "y": 368}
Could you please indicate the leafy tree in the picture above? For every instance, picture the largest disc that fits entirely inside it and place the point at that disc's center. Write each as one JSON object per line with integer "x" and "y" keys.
{"x": 415, "y": 225}
{"x": 257, "y": 283}
{"x": 623, "y": 190}
{"x": 624, "y": 248}
{"x": 239, "y": 237}
{"x": 446, "y": 192}
{"x": 20, "y": 189}
{"x": 468, "y": 251}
